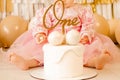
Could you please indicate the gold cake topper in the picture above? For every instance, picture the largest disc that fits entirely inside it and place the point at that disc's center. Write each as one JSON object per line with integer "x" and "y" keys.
{"x": 61, "y": 21}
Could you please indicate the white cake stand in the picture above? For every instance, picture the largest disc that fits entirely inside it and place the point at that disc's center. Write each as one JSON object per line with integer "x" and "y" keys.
{"x": 38, "y": 73}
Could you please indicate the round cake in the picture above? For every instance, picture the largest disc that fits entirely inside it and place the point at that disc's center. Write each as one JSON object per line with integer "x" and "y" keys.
{"x": 63, "y": 61}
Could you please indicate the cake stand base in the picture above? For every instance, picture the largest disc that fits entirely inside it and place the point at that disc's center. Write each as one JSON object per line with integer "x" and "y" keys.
{"x": 38, "y": 73}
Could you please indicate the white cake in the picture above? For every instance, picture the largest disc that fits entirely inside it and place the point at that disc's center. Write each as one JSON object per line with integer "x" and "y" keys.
{"x": 64, "y": 61}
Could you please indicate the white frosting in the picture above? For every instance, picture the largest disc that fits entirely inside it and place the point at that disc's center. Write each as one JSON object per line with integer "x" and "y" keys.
{"x": 55, "y": 38}
{"x": 73, "y": 37}
{"x": 63, "y": 61}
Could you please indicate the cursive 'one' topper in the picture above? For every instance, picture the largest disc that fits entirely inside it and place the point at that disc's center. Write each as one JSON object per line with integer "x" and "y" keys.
{"x": 61, "y": 21}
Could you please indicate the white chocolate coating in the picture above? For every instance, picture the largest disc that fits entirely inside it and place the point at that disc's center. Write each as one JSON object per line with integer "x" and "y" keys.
{"x": 63, "y": 61}
{"x": 73, "y": 37}
{"x": 55, "y": 38}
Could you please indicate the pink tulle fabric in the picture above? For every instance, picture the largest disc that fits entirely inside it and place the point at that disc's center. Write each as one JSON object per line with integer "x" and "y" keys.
{"x": 26, "y": 46}
{"x": 98, "y": 45}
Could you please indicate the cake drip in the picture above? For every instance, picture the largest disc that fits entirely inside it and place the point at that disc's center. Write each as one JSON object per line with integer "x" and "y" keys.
{"x": 61, "y": 56}
{"x": 61, "y": 51}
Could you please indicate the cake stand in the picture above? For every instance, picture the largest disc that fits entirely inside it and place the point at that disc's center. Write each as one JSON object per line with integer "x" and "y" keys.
{"x": 88, "y": 73}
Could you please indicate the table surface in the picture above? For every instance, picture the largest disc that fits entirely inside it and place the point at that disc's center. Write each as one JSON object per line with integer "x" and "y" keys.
{"x": 11, "y": 72}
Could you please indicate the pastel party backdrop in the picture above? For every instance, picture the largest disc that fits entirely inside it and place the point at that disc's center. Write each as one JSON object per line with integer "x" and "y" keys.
{"x": 106, "y": 13}
{"x": 27, "y": 8}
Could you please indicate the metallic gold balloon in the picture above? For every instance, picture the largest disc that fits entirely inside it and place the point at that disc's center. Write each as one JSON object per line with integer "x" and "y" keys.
{"x": 101, "y": 25}
{"x": 10, "y": 28}
{"x": 113, "y": 23}
{"x": 0, "y": 44}
{"x": 117, "y": 34}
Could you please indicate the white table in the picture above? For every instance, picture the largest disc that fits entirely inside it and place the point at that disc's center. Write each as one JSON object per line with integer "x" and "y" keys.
{"x": 11, "y": 72}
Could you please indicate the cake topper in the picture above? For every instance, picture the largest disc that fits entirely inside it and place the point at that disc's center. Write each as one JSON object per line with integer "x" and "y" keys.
{"x": 63, "y": 22}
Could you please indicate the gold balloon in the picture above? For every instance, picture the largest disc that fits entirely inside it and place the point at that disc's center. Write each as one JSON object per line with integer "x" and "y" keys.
{"x": 0, "y": 44}
{"x": 10, "y": 28}
{"x": 113, "y": 23}
{"x": 101, "y": 25}
{"x": 117, "y": 34}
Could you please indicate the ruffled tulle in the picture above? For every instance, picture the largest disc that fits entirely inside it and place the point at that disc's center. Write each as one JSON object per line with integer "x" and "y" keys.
{"x": 100, "y": 44}
{"x": 27, "y": 47}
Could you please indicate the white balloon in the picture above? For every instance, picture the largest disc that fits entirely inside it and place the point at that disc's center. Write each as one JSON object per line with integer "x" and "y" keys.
{"x": 73, "y": 37}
